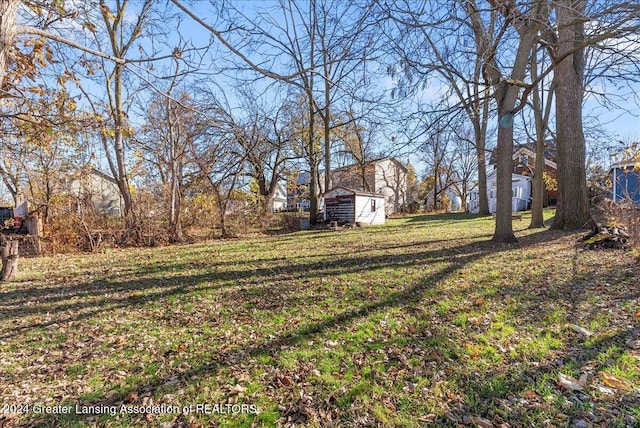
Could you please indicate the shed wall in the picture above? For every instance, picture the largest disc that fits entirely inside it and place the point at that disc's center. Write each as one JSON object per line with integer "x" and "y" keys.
{"x": 626, "y": 184}
{"x": 364, "y": 213}
{"x": 340, "y": 208}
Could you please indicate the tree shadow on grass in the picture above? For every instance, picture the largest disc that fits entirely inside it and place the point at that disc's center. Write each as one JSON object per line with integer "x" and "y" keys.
{"x": 449, "y": 261}
{"x": 104, "y": 294}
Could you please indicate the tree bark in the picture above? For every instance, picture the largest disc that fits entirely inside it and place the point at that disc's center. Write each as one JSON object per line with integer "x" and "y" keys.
{"x": 506, "y": 96}
{"x": 480, "y": 139}
{"x": 9, "y": 254}
{"x": 8, "y": 10}
{"x": 541, "y": 121}
{"x": 573, "y": 201}
{"x": 314, "y": 179}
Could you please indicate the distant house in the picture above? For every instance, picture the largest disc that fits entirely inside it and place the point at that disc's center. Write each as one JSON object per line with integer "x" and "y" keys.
{"x": 449, "y": 195}
{"x": 97, "y": 192}
{"x": 279, "y": 201}
{"x": 524, "y": 163}
{"x": 385, "y": 176}
{"x": 520, "y": 193}
{"x": 625, "y": 181}
{"x": 298, "y": 193}
{"x": 524, "y": 159}
{"x": 354, "y": 206}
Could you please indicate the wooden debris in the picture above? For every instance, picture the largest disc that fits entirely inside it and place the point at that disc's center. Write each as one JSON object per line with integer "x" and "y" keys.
{"x": 606, "y": 237}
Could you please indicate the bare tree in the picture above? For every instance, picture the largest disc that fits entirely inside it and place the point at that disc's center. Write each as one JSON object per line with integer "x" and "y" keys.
{"x": 465, "y": 163}
{"x": 264, "y": 140}
{"x": 541, "y": 110}
{"x": 622, "y": 18}
{"x": 324, "y": 45}
{"x": 431, "y": 41}
{"x": 171, "y": 124}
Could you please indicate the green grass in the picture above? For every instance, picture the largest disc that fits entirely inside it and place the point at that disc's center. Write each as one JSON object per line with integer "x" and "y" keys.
{"x": 421, "y": 322}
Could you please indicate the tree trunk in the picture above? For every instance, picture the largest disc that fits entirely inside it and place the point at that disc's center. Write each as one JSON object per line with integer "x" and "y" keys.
{"x": 537, "y": 187}
{"x": 541, "y": 121}
{"x": 480, "y": 134}
{"x": 314, "y": 180}
{"x": 506, "y": 94}
{"x": 327, "y": 126}
{"x": 573, "y": 202}
{"x": 8, "y": 10}
{"x": 9, "y": 254}
{"x": 483, "y": 203}
{"x": 506, "y": 97}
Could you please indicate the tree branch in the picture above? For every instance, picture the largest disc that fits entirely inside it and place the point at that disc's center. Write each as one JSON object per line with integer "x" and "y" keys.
{"x": 37, "y": 32}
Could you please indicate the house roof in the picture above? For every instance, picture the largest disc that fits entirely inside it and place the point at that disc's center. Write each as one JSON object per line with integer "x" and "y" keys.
{"x": 102, "y": 175}
{"x": 373, "y": 162}
{"x": 304, "y": 177}
{"x": 624, "y": 164}
{"x": 355, "y": 192}
{"x": 528, "y": 152}
{"x": 550, "y": 151}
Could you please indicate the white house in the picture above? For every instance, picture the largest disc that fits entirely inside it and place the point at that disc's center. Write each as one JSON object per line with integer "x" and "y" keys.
{"x": 454, "y": 200}
{"x": 97, "y": 192}
{"x": 354, "y": 206}
{"x": 279, "y": 201}
{"x": 520, "y": 193}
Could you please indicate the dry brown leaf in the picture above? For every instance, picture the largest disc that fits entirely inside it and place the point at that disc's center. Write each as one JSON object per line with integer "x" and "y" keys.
{"x": 614, "y": 381}
{"x": 583, "y": 380}
{"x": 569, "y": 383}
{"x": 237, "y": 389}
{"x": 482, "y": 423}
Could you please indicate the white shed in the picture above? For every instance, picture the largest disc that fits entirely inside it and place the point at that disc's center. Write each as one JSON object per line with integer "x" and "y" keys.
{"x": 354, "y": 206}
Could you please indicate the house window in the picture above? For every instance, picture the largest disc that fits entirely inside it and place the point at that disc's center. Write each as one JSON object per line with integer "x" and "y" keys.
{"x": 373, "y": 205}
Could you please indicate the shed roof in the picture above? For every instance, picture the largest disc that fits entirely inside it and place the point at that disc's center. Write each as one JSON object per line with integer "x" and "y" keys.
{"x": 624, "y": 165}
{"x": 355, "y": 192}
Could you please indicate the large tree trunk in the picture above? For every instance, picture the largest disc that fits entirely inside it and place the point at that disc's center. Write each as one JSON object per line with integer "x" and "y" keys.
{"x": 573, "y": 202}
{"x": 506, "y": 96}
{"x": 8, "y": 10}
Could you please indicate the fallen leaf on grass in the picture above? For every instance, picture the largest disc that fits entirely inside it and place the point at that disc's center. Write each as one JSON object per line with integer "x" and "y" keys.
{"x": 606, "y": 390}
{"x": 131, "y": 397}
{"x": 614, "y": 381}
{"x": 569, "y": 383}
{"x": 580, "y": 330}
{"x": 478, "y": 302}
{"x": 583, "y": 380}
{"x": 633, "y": 343}
{"x": 237, "y": 390}
{"x": 482, "y": 423}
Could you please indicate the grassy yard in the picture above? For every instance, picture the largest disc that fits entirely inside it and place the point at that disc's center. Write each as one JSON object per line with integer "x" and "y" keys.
{"x": 422, "y": 322}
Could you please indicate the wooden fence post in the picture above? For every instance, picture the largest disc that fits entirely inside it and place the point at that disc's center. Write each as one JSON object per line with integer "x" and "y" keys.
{"x": 9, "y": 254}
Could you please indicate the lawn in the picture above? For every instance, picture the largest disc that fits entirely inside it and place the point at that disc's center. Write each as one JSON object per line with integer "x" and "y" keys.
{"x": 422, "y": 322}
